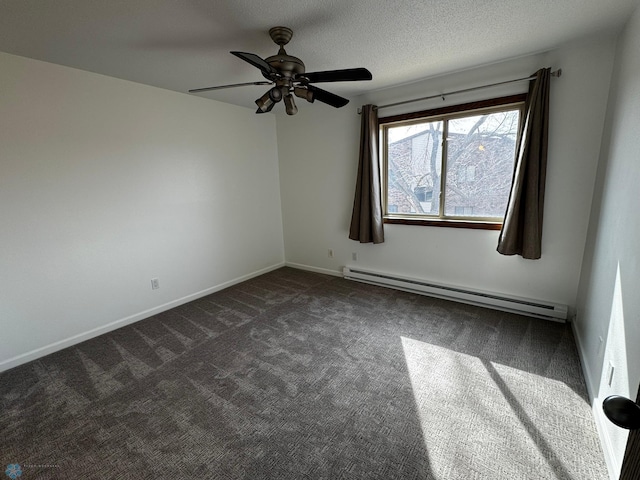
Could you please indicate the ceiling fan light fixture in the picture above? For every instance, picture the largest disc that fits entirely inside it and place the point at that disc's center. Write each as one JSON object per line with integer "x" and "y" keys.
{"x": 276, "y": 94}
{"x": 269, "y": 108}
{"x": 266, "y": 101}
{"x": 290, "y": 105}
{"x": 304, "y": 93}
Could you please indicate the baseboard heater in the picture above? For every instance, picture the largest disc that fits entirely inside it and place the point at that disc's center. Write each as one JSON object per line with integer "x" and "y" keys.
{"x": 497, "y": 301}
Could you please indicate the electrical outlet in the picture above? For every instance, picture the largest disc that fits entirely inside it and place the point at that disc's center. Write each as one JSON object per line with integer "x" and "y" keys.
{"x": 354, "y": 256}
{"x": 600, "y": 345}
{"x": 155, "y": 284}
{"x": 330, "y": 253}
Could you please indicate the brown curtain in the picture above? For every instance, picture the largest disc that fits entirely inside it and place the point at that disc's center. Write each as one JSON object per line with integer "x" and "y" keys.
{"x": 522, "y": 228}
{"x": 366, "y": 220}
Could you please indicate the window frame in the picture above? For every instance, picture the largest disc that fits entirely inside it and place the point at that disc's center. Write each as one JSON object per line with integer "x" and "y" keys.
{"x": 441, "y": 114}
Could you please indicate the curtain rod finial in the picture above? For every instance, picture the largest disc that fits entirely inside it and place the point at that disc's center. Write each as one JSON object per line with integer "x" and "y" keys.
{"x": 557, "y": 73}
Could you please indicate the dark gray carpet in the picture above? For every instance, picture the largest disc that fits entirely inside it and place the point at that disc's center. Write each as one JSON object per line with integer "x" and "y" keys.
{"x": 296, "y": 375}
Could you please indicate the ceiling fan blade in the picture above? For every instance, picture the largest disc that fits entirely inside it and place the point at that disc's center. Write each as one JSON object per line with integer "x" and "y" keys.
{"x": 257, "y": 62}
{"x": 220, "y": 87}
{"x": 347, "y": 75}
{"x": 327, "y": 97}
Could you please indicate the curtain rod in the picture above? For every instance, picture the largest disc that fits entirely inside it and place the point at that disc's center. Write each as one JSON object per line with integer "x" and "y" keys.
{"x": 557, "y": 73}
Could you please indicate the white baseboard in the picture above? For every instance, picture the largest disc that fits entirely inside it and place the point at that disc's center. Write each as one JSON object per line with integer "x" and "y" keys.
{"x": 588, "y": 377}
{"x": 81, "y": 337}
{"x": 596, "y": 407}
{"x": 326, "y": 271}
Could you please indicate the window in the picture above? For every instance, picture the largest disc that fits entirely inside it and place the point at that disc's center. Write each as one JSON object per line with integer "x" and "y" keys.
{"x": 451, "y": 166}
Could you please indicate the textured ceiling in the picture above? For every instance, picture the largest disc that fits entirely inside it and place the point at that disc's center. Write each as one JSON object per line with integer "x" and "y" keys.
{"x": 183, "y": 44}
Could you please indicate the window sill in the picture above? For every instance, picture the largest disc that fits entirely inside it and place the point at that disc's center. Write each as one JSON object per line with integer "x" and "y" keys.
{"x": 480, "y": 225}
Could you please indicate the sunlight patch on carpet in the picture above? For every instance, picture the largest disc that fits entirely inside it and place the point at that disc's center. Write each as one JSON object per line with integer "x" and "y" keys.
{"x": 497, "y": 421}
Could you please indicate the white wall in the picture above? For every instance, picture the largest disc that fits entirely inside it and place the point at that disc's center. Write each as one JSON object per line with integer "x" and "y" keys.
{"x": 318, "y": 162}
{"x": 608, "y": 300}
{"x": 105, "y": 184}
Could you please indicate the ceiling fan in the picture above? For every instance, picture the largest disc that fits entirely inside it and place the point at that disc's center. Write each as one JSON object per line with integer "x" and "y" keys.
{"x": 287, "y": 74}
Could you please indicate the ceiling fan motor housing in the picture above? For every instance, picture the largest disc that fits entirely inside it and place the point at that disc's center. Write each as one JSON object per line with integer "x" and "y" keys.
{"x": 286, "y": 65}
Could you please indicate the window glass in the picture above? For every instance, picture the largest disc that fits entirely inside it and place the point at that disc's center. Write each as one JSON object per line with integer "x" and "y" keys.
{"x": 479, "y": 164}
{"x": 451, "y": 166}
{"x": 414, "y": 167}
